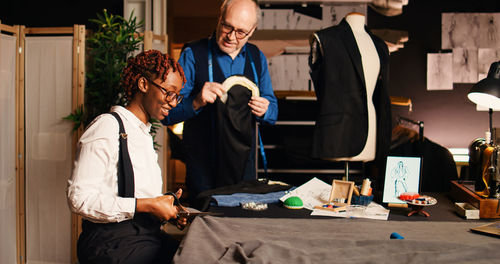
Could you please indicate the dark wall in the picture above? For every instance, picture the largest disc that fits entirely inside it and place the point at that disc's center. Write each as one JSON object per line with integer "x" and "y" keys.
{"x": 190, "y": 20}
{"x": 450, "y": 119}
{"x": 55, "y": 13}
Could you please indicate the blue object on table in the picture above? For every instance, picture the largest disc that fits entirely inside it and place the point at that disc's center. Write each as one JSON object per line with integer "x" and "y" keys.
{"x": 362, "y": 200}
{"x": 396, "y": 236}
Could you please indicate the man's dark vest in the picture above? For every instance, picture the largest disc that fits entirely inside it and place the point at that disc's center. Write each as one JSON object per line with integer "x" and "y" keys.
{"x": 220, "y": 140}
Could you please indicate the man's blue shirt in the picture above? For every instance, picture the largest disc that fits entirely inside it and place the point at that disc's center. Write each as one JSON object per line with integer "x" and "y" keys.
{"x": 229, "y": 67}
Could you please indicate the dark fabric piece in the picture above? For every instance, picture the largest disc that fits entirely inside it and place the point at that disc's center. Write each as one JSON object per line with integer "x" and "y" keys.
{"x": 205, "y": 164}
{"x": 133, "y": 241}
{"x": 126, "y": 186}
{"x": 265, "y": 240}
{"x": 235, "y": 132}
{"x": 203, "y": 200}
{"x": 342, "y": 123}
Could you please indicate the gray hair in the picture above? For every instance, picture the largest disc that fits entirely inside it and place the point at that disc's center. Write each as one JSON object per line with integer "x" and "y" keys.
{"x": 226, "y": 4}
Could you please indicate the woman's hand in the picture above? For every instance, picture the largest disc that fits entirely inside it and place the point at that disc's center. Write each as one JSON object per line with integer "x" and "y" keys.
{"x": 163, "y": 208}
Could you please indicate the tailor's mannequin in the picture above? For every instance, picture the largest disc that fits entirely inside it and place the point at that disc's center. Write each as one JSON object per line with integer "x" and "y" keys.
{"x": 349, "y": 69}
{"x": 371, "y": 68}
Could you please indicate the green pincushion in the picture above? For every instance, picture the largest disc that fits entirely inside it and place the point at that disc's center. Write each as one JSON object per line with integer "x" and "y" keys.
{"x": 293, "y": 202}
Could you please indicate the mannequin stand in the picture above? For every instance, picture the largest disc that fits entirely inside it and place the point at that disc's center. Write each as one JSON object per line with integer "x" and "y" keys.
{"x": 346, "y": 171}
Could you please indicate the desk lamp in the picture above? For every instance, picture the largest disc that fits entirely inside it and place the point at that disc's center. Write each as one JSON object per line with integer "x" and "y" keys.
{"x": 486, "y": 93}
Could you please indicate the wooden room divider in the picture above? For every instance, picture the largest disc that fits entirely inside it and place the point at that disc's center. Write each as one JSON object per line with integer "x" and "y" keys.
{"x": 11, "y": 220}
{"x": 52, "y": 76}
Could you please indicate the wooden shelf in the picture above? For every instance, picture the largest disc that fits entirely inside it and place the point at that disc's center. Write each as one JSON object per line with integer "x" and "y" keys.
{"x": 283, "y": 34}
{"x": 284, "y": 94}
{"x": 313, "y": 1}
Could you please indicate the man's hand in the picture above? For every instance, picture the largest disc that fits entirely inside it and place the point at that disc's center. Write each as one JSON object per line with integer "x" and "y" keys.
{"x": 259, "y": 105}
{"x": 208, "y": 94}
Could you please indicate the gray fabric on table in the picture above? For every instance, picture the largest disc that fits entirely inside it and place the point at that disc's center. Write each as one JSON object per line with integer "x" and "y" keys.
{"x": 268, "y": 240}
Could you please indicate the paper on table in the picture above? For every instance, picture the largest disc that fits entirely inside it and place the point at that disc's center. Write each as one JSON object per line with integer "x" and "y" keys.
{"x": 371, "y": 211}
{"x": 314, "y": 192}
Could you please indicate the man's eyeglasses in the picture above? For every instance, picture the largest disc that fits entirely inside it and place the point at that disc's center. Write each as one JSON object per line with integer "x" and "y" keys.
{"x": 169, "y": 95}
{"x": 228, "y": 29}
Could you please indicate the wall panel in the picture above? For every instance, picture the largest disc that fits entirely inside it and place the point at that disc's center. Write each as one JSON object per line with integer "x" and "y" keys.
{"x": 48, "y": 99}
{"x": 8, "y": 149}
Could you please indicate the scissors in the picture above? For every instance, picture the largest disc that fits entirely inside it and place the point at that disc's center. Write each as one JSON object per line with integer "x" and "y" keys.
{"x": 182, "y": 209}
{"x": 184, "y": 213}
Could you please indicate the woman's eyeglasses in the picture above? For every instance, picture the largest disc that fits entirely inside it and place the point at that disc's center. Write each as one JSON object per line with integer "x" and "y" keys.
{"x": 169, "y": 95}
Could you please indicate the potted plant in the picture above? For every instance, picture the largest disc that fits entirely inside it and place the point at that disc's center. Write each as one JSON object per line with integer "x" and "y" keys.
{"x": 108, "y": 48}
{"x": 114, "y": 41}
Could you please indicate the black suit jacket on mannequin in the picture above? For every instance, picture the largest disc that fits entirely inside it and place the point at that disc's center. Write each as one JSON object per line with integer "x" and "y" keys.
{"x": 337, "y": 73}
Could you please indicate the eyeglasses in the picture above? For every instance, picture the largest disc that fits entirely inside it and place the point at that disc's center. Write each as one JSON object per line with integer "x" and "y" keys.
{"x": 228, "y": 29}
{"x": 169, "y": 95}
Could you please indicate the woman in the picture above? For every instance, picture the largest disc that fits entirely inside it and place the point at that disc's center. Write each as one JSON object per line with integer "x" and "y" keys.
{"x": 120, "y": 226}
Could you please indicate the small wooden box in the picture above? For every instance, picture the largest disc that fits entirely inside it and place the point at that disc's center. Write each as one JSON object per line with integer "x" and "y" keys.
{"x": 488, "y": 208}
{"x": 467, "y": 210}
{"x": 340, "y": 190}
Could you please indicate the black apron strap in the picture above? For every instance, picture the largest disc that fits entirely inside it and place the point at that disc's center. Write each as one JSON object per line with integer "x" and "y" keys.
{"x": 125, "y": 172}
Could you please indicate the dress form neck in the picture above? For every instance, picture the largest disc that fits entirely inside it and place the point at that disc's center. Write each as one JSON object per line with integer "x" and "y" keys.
{"x": 371, "y": 65}
{"x": 356, "y": 21}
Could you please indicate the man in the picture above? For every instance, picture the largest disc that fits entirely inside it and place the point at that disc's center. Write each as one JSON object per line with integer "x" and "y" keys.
{"x": 219, "y": 139}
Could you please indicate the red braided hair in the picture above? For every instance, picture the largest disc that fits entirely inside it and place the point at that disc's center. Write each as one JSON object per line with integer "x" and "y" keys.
{"x": 151, "y": 64}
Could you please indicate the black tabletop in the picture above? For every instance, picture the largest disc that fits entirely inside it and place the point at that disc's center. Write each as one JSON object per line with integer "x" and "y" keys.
{"x": 444, "y": 210}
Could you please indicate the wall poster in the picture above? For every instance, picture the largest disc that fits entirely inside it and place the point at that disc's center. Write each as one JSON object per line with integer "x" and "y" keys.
{"x": 439, "y": 71}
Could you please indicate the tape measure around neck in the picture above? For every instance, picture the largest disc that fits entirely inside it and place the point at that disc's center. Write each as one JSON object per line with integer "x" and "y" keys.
{"x": 211, "y": 67}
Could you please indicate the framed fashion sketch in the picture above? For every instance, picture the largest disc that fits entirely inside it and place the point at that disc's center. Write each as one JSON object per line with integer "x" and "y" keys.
{"x": 402, "y": 174}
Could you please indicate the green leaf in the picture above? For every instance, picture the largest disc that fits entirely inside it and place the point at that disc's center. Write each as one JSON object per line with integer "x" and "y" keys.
{"x": 75, "y": 117}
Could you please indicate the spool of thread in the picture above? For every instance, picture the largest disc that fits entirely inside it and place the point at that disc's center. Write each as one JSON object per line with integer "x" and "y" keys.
{"x": 365, "y": 188}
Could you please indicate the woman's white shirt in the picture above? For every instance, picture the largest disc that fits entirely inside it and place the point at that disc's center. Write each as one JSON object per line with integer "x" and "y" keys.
{"x": 93, "y": 187}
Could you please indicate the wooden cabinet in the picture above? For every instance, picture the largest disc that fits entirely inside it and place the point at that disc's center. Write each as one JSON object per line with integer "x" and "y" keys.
{"x": 463, "y": 192}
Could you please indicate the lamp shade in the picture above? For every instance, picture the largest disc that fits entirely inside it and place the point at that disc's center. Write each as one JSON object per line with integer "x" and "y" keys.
{"x": 486, "y": 92}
